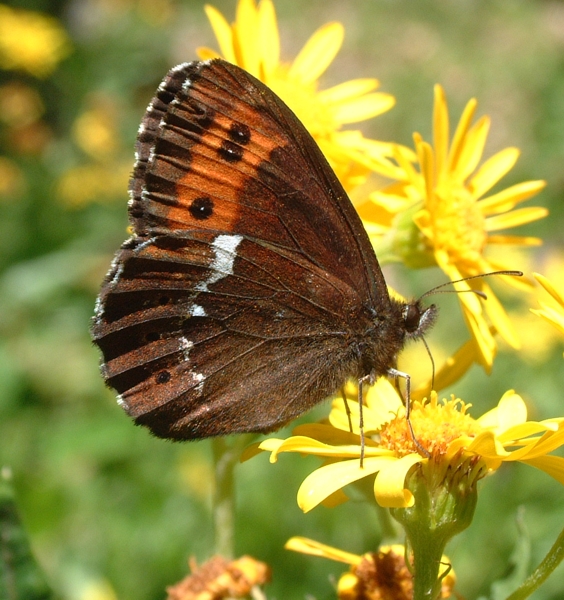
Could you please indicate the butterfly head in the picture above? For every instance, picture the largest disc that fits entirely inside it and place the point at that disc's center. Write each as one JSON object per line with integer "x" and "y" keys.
{"x": 418, "y": 319}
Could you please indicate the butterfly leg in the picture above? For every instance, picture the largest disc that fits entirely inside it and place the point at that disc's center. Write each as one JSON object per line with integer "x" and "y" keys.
{"x": 347, "y": 409}
{"x": 396, "y": 374}
{"x": 370, "y": 380}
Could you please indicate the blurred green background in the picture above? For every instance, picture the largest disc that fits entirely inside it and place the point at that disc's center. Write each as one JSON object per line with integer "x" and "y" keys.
{"x": 112, "y": 512}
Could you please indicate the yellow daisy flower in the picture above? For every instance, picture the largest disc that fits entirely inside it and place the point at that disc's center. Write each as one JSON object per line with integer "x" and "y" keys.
{"x": 381, "y": 574}
{"x": 253, "y": 43}
{"x": 445, "y": 433}
{"x": 553, "y": 314}
{"x": 456, "y": 217}
{"x": 31, "y": 41}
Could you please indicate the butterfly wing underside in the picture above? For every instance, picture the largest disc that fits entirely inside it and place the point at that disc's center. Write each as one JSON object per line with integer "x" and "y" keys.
{"x": 238, "y": 302}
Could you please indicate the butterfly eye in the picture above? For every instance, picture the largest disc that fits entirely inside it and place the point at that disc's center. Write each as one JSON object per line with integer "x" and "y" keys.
{"x": 412, "y": 317}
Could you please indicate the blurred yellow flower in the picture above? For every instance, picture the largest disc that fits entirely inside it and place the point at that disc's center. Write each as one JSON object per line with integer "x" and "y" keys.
{"x": 31, "y": 41}
{"x": 375, "y": 575}
{"x": 12, "y": 179}
{"x": 455, "y": 220}
{"x": 219, "y": 578}
{"x": 95, "y": 130}
{"x": 20, "y": 105}
{"x": 93, "y": 183}
{"x": 553, "y": 314}
{"x": 444, "y": 431}
{"x": 253, "y": 43}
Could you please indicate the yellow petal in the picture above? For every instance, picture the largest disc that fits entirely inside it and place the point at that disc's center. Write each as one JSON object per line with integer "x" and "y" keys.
{"x": 512, "y": 411}
{"x": 470, "y": 301}
{"x": 347, "y": 90}
{"x": 318, "y": 53}
{"x": 269, "y": 37}
{"x": 329, "y": 434}
{"x": 485, "y": 444}
{"x": 365, "y": 107}
{"x": 537, "y": 448}
{"x": 508, "y": 198}
{"x": 251, "y": 451}
{"x": 547, "y": 285}
{"x": 473, "y": 148}
{"x": 521, "y": 216}
{"x": 459, "y": 138}
{"x": 389, "y": 485}
{"x": 492, "y": 171}
{"x": 405, "y": 163}
{"x": 425, "y": 155}
{"x": 307, "y": 445}
{"x": 551, "y": 465}
{"x": 382, "y": 397}
{"x": 391, "y": 202}
{"x": 307, "y": 546}
{"x": 440, "y": 129}
{"x": 324, "y": 481}
{"x": 205, "y": 53}
{"x": 499, "y": 318}
{"x": 518, "y": 433}
{"x": 246, "y": 39}
{"x": 485, "y": 342}
{"x": 521, "y": 283}
{"x": 547, "y": 443}
{"x": 551, "y": 316}
{"x": 222, "y": 32}
{"x": 517, "y": 240}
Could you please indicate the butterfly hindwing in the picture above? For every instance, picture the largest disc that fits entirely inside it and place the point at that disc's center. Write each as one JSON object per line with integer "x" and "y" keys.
{"x": 184, "y": 341}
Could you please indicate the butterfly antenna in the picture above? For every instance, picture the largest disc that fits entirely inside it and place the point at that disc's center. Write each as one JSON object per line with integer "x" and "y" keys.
{"x": 432, "y": 361}
{"x": 438, "y": 289}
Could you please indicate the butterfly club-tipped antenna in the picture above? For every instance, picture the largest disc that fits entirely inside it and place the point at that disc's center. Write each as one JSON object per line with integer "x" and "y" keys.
{"x": 396, "y": 374}
{"x": 439, "y": 288}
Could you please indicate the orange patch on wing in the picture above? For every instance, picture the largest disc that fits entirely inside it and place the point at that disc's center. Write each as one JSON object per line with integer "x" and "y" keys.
{"x": 213, "y": 177}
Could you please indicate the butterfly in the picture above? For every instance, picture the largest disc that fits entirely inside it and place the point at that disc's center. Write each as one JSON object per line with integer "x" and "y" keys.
{"x": 249, "y": 290}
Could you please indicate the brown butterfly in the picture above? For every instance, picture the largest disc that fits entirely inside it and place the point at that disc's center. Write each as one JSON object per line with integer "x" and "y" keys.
{"x": 249, "y": 291}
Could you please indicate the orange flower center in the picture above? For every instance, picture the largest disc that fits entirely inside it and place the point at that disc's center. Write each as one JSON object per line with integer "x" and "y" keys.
{"x": 435, "y": 427}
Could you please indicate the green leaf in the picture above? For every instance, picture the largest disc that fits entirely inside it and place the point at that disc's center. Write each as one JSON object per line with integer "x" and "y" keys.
{"x": 20, "y": 575}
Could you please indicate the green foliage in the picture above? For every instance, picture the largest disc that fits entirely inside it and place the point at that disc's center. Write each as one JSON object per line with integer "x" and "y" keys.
{"x": 20, "y": 575}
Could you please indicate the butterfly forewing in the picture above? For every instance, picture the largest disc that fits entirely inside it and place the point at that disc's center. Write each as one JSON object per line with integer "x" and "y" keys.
{"x": 226, "y": 142}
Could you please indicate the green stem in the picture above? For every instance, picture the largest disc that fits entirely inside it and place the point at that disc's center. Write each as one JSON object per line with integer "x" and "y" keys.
{"x": 445, "y": 498}
{"x": 226, "y": 453}
{"x": 541, "y": 573}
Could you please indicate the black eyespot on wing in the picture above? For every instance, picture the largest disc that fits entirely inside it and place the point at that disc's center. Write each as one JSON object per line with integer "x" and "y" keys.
{"x": 240, "y": 133}
{"x": 230, "y": 151}
{"x": 201, "y": 208}
{"x": 163, "y": 377}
